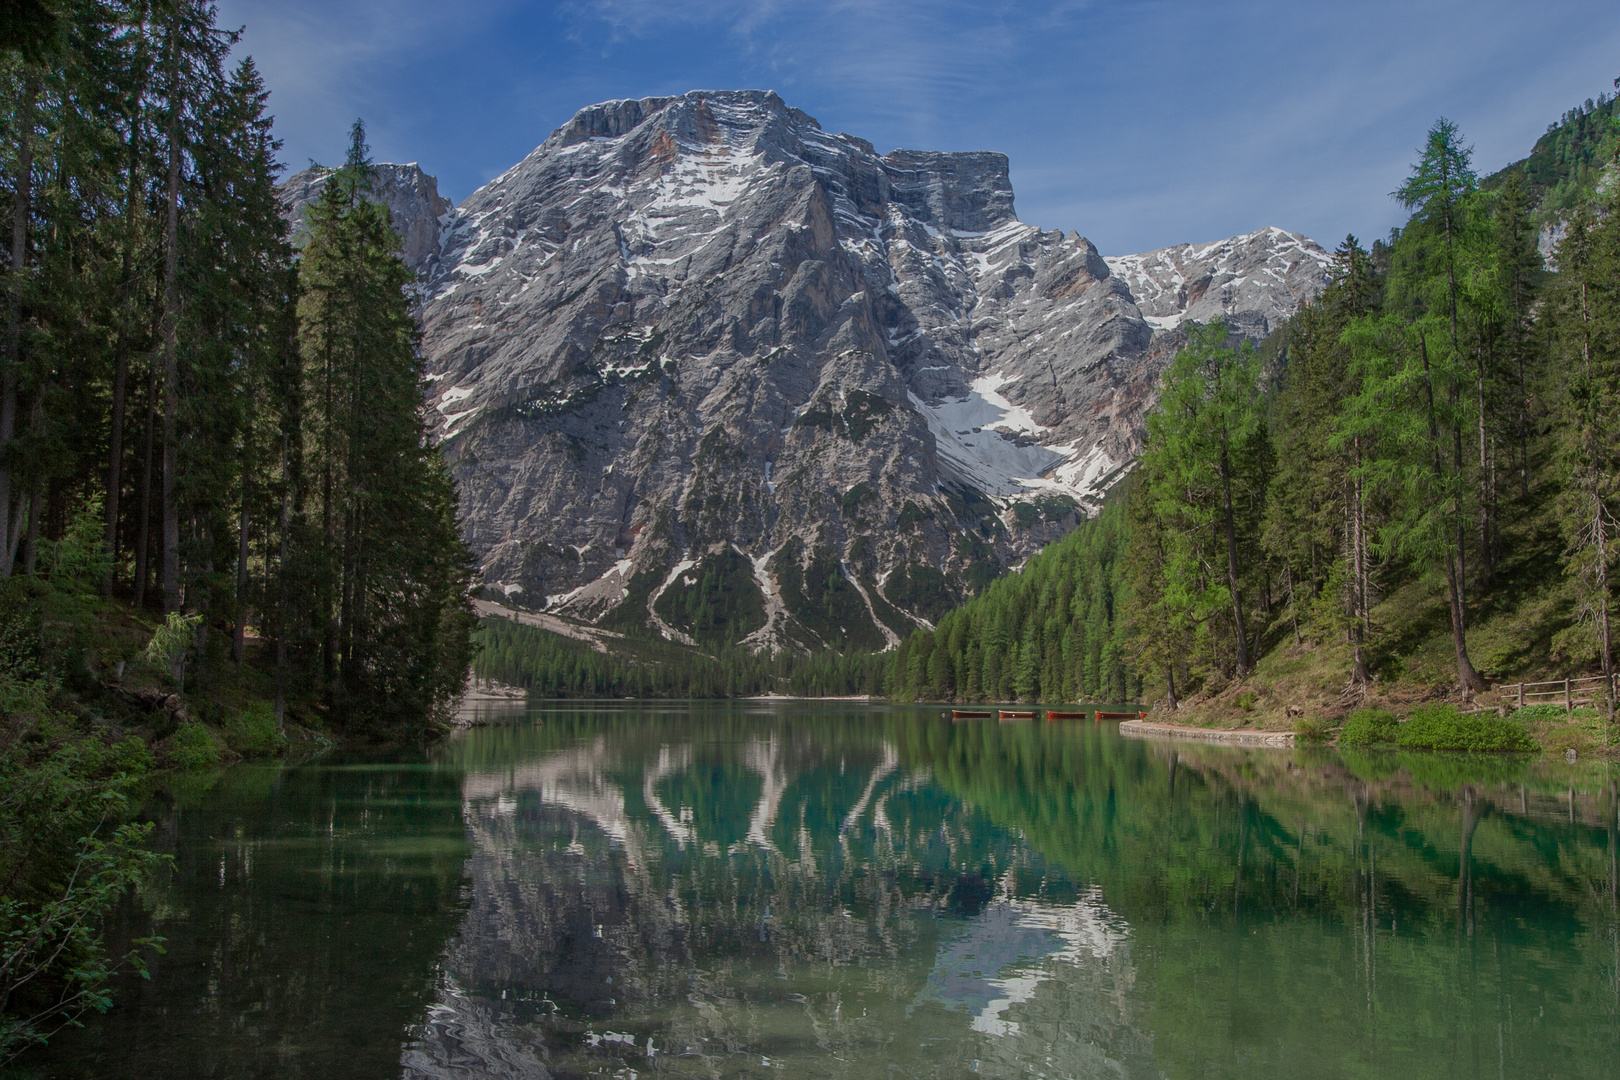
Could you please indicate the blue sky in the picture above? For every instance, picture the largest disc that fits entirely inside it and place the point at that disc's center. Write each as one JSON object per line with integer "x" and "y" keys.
{"x": 1139, "y": 124}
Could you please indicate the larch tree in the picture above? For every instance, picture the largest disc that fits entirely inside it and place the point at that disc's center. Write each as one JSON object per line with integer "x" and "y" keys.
{"x": 1206, "y": 445}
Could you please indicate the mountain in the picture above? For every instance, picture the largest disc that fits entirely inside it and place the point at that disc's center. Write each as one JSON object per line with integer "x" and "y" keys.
{"x": 411, "y": 195}
{"x": 1251, "y": 282}
{"x": 699, "y": 364}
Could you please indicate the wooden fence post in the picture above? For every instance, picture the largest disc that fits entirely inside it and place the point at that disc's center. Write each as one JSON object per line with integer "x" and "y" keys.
{"x": 1521, "y": 695}
{"x": 1568, "y": 706}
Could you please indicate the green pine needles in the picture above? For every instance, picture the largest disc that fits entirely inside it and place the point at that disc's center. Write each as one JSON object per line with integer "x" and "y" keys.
{"x": 197, "y": 430}
{"x": 1055, "y": 631}
{"x": 388, "y": 572}
{"x": 1440, "y": 420}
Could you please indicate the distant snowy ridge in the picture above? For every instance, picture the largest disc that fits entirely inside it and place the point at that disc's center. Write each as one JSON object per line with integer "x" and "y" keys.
{"x": 1254, "y": 281}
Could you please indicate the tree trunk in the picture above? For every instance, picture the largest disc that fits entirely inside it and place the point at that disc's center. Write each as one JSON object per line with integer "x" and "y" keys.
{"x": 281, "y": 597}
{"x": 1524, "y": 430}
{"x": 115, "y": 462}
{"x": 1231, "y": 566}
{"x": 36, "y": 511}
{"x": 239, "y": 642}
{"x": 1487, "y": 485}
{"x": 1466, "y": 675}
{"x": 171, "y": 331}
{"x": 1601, "y": 538}
{"x": 38, "y": 501}
{"x": 1358, "y": 578}
{"x": 14, "y": 539}
{"x": 143, "y": 528}
{"x": 1316, "y": 562}
{"x": 1293, "y": 604}
{"x": 21, "y": 208}
{"x": 115, "y": 441}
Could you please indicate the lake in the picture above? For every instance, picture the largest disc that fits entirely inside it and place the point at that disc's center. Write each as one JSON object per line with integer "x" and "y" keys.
{"x": 845, "y": 890}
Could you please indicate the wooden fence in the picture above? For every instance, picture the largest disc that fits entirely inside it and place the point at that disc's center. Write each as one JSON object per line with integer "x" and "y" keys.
{"x": 1570, "y": 693}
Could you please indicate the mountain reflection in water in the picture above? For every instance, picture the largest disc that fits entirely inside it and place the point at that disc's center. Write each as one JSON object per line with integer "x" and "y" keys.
{"x": 852, "y": 891}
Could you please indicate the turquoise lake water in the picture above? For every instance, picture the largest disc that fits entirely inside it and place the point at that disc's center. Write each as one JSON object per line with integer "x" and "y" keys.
{"x": 841, "y": 890}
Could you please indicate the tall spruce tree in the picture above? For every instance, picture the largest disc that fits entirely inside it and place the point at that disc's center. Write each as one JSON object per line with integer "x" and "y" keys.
{"x": 391, "y": 598}
{"x": 149, "y": 361}
{"x": 1517, "y": 262}
{"x": 1414, "y": 375}
{"x": 1317, "y": 505}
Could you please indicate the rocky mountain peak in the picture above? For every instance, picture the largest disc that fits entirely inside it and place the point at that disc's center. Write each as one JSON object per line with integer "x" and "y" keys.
{"x": 705, "y": 368}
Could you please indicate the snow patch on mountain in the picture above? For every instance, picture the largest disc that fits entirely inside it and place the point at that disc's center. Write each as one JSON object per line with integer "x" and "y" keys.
{"x": 685, "y": 321}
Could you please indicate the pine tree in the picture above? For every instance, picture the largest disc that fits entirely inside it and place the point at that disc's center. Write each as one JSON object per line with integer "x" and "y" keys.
{"x": 1206, "y": 447}
{"x": 1317, "y": 509}
{"x": 1517, "y": 262}
{"x": 391, "y": 595}
{"x": 1414, "y": 374}
{"x": 1586, "y": 319}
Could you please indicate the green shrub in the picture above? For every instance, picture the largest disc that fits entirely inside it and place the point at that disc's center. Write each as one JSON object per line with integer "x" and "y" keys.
{"x": 78, "y": 562}
{"x": 131, "y": 755}
{"x": 170, "y": 643}
{"x": 193, "y": 747}
{"x": 1441, "y": 727}
{"x": 1247, "y": 700}
{"x": 253, "y": 731}
{"x": 1312, "y": 729}
{"x": 1368, "y": 727}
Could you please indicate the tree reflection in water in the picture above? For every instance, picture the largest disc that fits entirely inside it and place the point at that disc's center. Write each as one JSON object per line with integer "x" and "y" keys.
{"x": 731, "y": 890}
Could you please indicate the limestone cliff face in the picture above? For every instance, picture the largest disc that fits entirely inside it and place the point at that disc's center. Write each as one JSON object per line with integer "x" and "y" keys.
{"x": 411, "y": 195}
{"x": 701, "y": 365}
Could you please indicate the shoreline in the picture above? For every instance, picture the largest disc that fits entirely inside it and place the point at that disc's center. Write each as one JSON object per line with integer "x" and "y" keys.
{"x": 790, "y": 697}
{"x": 1149, "y": 729}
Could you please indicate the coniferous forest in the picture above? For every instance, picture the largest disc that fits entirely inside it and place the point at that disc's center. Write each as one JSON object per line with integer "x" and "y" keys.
{"x": 222, "y": 526}
{"x": 1410, "y": 487}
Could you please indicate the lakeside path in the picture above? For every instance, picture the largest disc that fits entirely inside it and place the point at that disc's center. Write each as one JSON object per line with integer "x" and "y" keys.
{"x": 1148, "y": 729}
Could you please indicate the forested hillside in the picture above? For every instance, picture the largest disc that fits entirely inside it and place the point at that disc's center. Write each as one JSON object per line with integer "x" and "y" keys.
{"x": 221, "y": 521}
{"x": 1563, "y": 169}
{"x": 1437, "y": 435}
{"x": 1411, "y": 489}
{"x": 1050, "y": 632}
{"x": 550, "y": 665}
